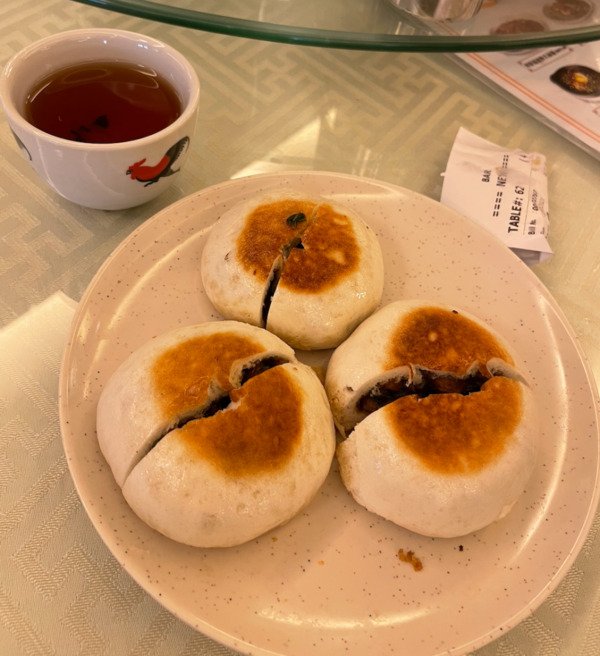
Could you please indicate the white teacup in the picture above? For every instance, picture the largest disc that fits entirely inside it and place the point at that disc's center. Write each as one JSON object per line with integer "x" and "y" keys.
{"x": 107, "y": 176}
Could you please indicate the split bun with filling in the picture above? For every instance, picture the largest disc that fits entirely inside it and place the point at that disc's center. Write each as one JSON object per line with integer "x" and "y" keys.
{"x": 216, "y": 433}
{"x": 306, "y": 269}
{"x": 439, "y": 423}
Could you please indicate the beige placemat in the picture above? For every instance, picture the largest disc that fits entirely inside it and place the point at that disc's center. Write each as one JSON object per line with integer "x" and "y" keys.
{"x": 61, "y": 591}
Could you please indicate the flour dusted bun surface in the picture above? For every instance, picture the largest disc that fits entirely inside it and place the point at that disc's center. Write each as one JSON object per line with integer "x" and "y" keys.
{"x": 304, "y": 268}
{"x": 440, "y": 425}
{"x": 216, "y": 433}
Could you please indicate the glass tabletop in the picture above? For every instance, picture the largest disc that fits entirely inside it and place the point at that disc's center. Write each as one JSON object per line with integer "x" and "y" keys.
{"x": 393, "y": 25}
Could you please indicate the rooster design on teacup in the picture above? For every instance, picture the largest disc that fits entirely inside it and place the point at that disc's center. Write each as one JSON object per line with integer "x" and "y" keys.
{"x": 149, "y": 174}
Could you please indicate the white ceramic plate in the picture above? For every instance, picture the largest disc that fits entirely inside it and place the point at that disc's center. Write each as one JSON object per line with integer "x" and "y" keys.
{"x": 330, "y": 581}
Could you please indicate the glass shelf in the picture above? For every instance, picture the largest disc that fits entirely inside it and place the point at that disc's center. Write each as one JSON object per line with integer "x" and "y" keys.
{"x": 378, "y": 24}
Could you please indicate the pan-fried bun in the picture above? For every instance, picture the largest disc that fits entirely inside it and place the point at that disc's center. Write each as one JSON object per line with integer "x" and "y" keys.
{"x": 216, "y": 433}
{"x": 306, "y": 269}
{"x": 440, "y": 424}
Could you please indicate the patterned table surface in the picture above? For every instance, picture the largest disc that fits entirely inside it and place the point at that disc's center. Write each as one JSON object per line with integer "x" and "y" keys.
{"x": 265, "y": 107}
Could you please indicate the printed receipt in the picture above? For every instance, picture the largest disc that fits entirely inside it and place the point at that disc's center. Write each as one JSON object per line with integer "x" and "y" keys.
{"x": 506, "y": 191}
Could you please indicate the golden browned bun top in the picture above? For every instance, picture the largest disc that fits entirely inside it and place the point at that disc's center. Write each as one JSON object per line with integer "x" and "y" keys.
{"x": 453, "y": 433}
{"x": 329, "y": 252}
{"x": 182, "y": 375}
{"x": 444, "y": 340}
{"x": 259, "y": 436}
{"x": 456, "y": 434}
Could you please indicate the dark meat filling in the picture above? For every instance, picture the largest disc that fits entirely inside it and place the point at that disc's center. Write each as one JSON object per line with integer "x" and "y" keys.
{"x": 257, "y": 367}
{"x": 275, "y": 277}
{"x": 425, "y": 383}
{"x": 221, "y": 401}
{"x": 270, "y": 290}
{"x": 211, "y": 408}
{"x": 383, "y": 393}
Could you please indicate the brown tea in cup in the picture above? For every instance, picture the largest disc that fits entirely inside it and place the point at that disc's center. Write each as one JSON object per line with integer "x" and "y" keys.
{"x": 102, "y": 102}
{"x": 116, "y": 167}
